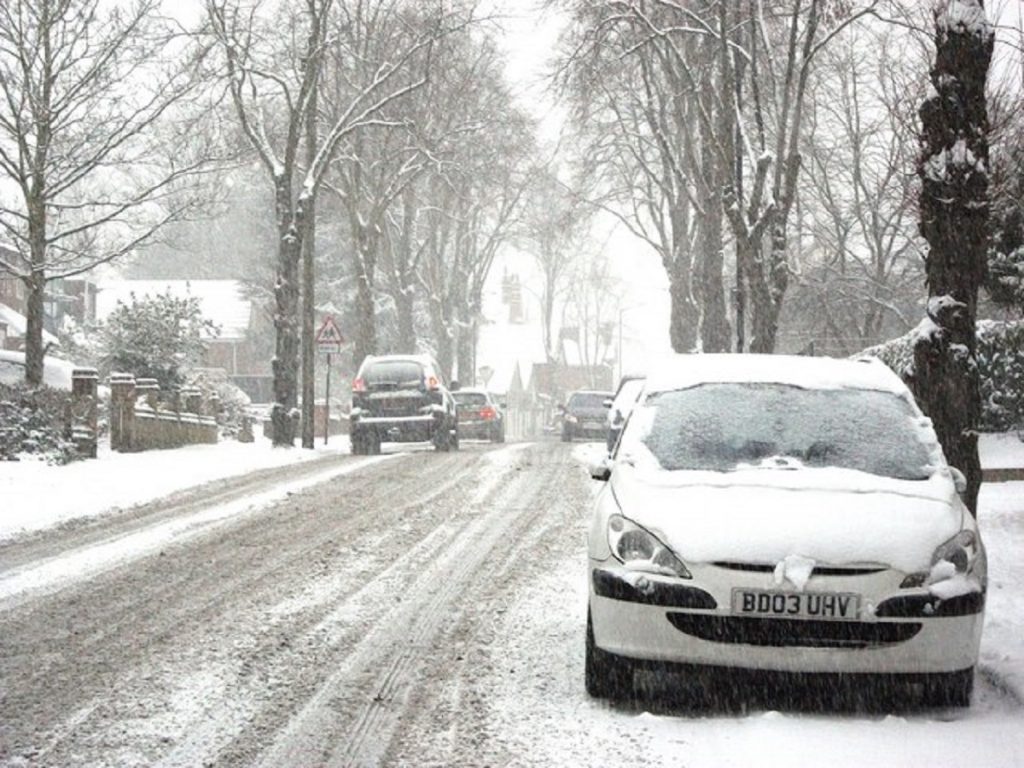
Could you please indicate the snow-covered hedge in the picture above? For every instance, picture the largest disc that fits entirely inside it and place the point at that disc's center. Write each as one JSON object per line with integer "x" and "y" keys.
{"x": 1000, "y": 365}
{"x": 234, "y": 403}
{"x": 33, "y": 421}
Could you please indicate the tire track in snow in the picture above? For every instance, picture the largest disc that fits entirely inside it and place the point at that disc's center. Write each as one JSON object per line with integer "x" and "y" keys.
{"x": 397, "y": 641}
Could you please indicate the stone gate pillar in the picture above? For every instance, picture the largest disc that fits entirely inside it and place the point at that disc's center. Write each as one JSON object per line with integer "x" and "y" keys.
{"x": 122, "y": 412}
{"x": 84, "y": 402}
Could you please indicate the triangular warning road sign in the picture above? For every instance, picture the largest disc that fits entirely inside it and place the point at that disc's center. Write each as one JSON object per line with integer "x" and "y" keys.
{"x": 329, "y": 333}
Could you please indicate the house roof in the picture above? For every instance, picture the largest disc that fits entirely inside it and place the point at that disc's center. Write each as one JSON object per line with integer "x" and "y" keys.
{"x": 220, "y": 300}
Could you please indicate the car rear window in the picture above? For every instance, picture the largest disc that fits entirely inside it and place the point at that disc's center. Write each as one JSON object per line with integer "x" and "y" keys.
{"x": 588, "y": 400}
{"x": 399, "y": 373}
{"x": 726, "y": 427}
{"x": 470, "y": 398}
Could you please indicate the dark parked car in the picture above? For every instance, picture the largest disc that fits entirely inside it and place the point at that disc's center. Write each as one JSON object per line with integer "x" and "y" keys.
{"x": 480, "y": 415}
{"x": 401, "y": 398}
{"x": 585, "y": 415}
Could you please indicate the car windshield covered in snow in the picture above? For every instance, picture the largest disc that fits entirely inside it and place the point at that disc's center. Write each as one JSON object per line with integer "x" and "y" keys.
{"x": 725, "y": 427}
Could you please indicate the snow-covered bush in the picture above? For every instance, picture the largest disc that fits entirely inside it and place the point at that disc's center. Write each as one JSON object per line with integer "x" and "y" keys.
{"x": 234, "y": 403}
{"x": 155, "y": 337}
{"x": 34, "y": 421}
{"x": 1000, "y": 357}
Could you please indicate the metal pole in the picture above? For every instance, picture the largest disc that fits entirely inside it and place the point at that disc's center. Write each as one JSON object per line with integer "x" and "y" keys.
{"x": 327, "y": 400}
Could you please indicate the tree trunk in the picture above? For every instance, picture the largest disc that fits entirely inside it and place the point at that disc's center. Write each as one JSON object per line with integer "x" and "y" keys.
{"x": 35, "y": 350}
{"x": 767, "y": 290}
{"x": 366, "y": 317}
{"x": 286, "y": 323}
{"x": 953, "y": 218}
{"x": 441, "y": 324}
{"x": 684, "y": 314}
{"x": 35, "y": 285}
{"x": 405, "y": 318}
{"x": 466, "y": 352}
{"x": 714, "y": 328}
{"x": 308, "y": 290}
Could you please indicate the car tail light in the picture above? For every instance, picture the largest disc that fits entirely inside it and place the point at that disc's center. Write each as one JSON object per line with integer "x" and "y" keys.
{"x": 487, "y": 413}
{"x": 358, "y": 385}
{"x": 432, "y": 382}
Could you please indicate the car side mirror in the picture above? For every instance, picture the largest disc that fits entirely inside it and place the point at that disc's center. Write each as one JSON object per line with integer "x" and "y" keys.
{"x": 959, "y": 480}
{"x": 608, "y": 403}
{"x": 601, "y": 470}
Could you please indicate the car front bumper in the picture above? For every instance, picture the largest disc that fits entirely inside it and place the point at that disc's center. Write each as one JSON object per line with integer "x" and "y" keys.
{"x": 691, "y": 622}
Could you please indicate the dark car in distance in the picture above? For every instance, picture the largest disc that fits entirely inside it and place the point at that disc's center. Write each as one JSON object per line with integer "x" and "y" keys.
{"x": 585, "y": 414}
{"x": 401, "y": 398}
{"x": 480, "y": 415}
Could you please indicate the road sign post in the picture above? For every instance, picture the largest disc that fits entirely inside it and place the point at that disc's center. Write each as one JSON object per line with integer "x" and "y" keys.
{"x": 329, "y": 338}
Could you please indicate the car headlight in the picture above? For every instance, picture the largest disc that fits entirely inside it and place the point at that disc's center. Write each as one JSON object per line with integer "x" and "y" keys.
{"x": 959, "y": 555}
{"x": 639, "y": 549}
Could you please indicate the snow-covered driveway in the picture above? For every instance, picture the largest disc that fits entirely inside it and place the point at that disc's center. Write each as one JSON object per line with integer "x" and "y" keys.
{"x": 426, "y": 609}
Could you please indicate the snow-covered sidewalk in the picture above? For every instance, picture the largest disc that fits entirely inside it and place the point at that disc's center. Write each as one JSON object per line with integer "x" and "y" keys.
{"x": 35, "y": 495}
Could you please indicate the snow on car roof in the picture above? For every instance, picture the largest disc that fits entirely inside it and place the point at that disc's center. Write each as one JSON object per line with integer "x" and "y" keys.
{"x": 688, "y": 370}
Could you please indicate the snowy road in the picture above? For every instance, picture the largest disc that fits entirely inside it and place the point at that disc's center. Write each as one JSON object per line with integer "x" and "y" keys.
{"x": 420, "y": 609}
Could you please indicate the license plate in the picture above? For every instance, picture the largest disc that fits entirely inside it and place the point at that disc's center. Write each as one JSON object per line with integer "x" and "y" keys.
{"x": 842, "y": 606}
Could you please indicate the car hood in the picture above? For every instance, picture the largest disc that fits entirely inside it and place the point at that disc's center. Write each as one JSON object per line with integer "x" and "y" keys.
{"x": 764, "y": 516}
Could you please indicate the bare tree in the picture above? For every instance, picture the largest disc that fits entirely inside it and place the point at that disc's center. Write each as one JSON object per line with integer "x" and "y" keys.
{"x": 555, "y": 220}
{"x": 750, "y": 114}
{"x": 476, "y": 144}
{"x": 643, "y": 156}
{"x": 860, "y": 275}
{"x": 273, "y": 62}
{"x": 99, "y": 110}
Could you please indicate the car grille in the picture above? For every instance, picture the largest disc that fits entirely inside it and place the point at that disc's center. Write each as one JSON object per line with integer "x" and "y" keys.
{"x": 789, "y": 633}
{"x": 819, "y": 570}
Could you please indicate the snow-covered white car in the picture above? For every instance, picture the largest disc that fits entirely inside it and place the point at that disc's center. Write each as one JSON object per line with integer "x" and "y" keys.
{"x": 56, "y": 372}
{"x": 785, "y": 514}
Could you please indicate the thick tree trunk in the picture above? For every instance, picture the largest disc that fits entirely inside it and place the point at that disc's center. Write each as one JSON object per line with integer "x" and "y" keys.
{"x": 440, "y": 323}
{"x": 286, "y": 323}
{"x": 466, "y": 354}
{"x": 767, "y": 291}
{"x": 684, "y": 314}
{"x": 953, "y": 217}
{"x": 366, "y": 313}
{"x": 715, "y": 334}
{"x": 35, "y": 350}
{"x": 308, "y": 342}
{"x": 35, "y": 286}
{"x": 404, "y": 309}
